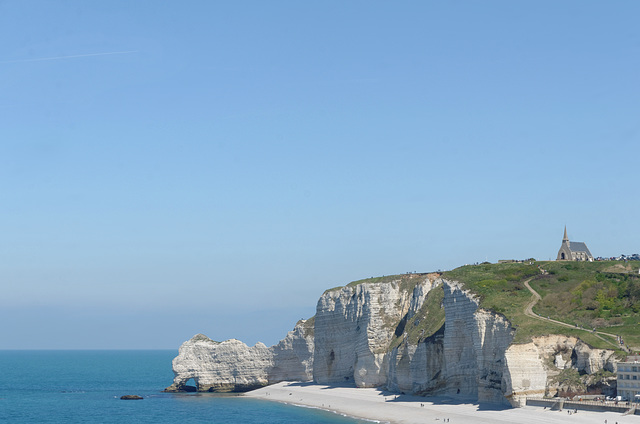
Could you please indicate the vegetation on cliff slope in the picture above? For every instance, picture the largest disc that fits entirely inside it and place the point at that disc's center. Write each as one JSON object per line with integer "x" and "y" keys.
{"x": 602, "y": 295}
{"x": 426, "y": 321}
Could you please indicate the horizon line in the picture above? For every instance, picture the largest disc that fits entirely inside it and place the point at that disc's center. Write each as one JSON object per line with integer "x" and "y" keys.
{"x": 67, "y": 57}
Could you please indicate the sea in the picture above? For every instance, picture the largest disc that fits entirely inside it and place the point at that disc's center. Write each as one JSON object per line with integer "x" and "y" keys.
{"x": 85, "y": 386}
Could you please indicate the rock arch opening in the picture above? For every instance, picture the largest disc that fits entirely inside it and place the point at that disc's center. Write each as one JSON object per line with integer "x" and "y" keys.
{"x": 191, "y": 385}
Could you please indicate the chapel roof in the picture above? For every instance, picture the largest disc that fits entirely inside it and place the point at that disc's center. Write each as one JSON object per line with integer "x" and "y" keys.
{"x": 578, "y": 246}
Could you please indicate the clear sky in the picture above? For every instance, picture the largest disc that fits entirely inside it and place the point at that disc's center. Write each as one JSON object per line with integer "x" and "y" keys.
{"x": 169, "y": 168}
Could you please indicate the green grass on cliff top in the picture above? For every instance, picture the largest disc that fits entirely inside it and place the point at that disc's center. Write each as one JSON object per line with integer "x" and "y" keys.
{"x": 407, "y": 281}
{"x": 604, "y": 295}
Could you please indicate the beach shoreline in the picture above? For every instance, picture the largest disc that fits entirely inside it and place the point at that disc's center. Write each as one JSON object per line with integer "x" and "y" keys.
{"x": 385, "y": 407}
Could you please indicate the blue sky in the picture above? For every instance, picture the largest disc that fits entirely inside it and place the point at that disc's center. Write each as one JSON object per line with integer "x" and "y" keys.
{"x": 170, "y": 168}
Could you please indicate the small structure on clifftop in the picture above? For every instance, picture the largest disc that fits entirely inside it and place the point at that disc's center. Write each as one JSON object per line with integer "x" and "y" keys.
{"x": 573, "y": 250}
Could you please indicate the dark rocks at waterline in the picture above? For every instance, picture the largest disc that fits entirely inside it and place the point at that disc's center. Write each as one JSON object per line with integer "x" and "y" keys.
{"x": 179, "y": 389}
{"x": 131, "y": 397}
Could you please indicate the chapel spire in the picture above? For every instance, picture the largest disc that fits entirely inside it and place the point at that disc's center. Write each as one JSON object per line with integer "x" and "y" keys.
{"x": 573, "y": 250}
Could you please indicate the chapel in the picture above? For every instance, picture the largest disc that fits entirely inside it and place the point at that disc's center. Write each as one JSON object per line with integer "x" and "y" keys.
{"x": 573, "y": 250}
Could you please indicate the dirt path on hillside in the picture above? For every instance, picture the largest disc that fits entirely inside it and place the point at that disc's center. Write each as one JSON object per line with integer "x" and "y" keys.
{"x": 528, "y": 311}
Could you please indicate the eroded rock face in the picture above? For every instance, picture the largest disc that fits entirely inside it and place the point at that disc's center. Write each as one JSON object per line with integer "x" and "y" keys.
{"x": 221, "y": 367}
{"x": 531, "y": 367}
{"x": 354, "y": 326}
{"x": 293, "y": 356}
{"x": 475, "y": 341}
{"x": 418, "y": 368}
{"x": 232, "y": 366}
{"x": 525, "y": 374}
{"x": 590, "y": 360}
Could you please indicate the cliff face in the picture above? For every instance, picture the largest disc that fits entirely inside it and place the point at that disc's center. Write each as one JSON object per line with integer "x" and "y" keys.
{"x": 293, "y": 356}
{"x": 536, "y": 368}
{"x": 232, "y": 366}
{"x": 475, "y": 342}
{"x": 466, "y": 357}
{"x": 354, "y": 327}
{"x": 418, "y": 368}
{"x": 369, "y": 334}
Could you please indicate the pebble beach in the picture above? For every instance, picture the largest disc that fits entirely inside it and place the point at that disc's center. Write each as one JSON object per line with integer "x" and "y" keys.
{"x": 386, "y": 407}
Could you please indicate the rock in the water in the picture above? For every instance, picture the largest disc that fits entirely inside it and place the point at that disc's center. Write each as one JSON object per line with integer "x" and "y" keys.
{"x": 131, "y": 397}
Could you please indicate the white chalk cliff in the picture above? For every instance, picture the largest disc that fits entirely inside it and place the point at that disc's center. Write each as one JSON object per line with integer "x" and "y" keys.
{"x": 232, "y": 366}
{"x": 359, "y": 336}
{"x": 354, "y": 326}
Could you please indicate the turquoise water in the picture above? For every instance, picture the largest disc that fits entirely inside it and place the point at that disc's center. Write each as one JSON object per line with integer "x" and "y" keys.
{"x": 85, "y": 387}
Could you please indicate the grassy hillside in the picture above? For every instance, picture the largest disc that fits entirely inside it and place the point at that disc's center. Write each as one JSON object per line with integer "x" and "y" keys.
{"x": 604, "y": 295}
{"x": 600, "y": 295}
